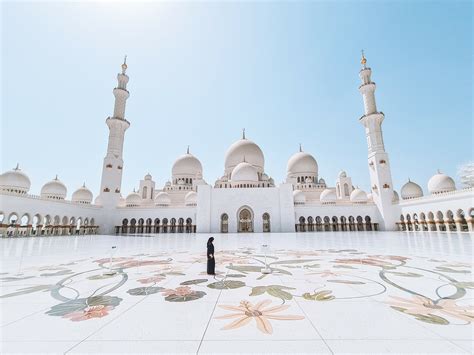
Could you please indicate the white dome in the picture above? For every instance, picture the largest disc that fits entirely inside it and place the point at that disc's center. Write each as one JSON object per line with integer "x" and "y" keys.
{"x": 358, "y": 196}
{"x": 186, "y": 165}
{"x": 162, "y": 199}
{"x": 322, "y": 182}
{"x": 244, "y": 149}
{"x": 342, "y": 174}
{"x": 440, "y": 183}
{"x": 299, "y": 197}
{"x": 15, "y": 181}
{"x": 302, "y": 163}
{"x": 133, "y": 199}
{"x": 82, "y": 195}
{"x": 54, "y": 190}
{"x": 244, "y": 172}
{"x": 190, "y": 199}
{"x": 411, "y": 190}
{"x": 395, "y": 197}
{"x": 148, "y": 176}
{"x": 328, "y": 195}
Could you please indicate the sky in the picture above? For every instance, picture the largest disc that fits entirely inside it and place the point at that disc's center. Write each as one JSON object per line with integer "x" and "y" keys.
{"x": 199, "y": 72}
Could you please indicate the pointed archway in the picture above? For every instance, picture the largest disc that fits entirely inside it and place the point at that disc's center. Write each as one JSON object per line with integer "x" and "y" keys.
{"x": 245, "y": 218}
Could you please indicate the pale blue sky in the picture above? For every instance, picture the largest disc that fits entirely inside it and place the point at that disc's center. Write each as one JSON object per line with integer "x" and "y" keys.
{"x": 199, "y": 72}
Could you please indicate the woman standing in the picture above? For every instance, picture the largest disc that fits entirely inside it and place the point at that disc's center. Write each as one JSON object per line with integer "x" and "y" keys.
{"x": 211, "y": 262}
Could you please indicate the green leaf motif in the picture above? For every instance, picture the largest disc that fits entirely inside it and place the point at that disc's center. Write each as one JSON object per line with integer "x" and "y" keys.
{"x": 31, "y": 289}
{"x": 191, "y": 297}
{"x": 82, "y": 303}
{"x": 193, "y": 282}
{"x": 344, "y": 267}
{"x": 245, "y": 269}
{"x": 467, "y": 284}
{"x": 57, "y": 273}
{"x": 273, "y": 290}
{"x": 144, "y": 291}
{"x": 319, "y": 296}
{"x": 349, "y": 282}
{"x": 258, "y": 290}
{"x": 101, "y": 277}
{"x": 226, "y": 285}
{"x": 404, "y": 274}
{"x": 279, "y": 293}
{"x": 447, "y": 269}
{"x": 235, "y": 275}
{"x": 431, "y": 318}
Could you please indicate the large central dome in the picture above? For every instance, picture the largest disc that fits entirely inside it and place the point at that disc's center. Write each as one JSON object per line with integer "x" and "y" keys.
{"x": 241, "y": 150}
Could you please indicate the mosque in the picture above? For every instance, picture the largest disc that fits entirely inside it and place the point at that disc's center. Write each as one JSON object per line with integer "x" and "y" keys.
{"x": 244, "y": 199}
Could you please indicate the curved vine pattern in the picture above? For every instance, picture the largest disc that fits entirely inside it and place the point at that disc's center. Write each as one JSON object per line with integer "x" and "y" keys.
{"x": 439, "y": 293}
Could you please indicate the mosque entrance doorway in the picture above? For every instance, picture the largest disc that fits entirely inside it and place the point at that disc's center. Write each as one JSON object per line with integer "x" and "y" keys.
{"x": 245, "y": 218}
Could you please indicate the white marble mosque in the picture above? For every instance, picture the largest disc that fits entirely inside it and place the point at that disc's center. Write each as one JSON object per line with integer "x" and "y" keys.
{"x": 244, "y": 199}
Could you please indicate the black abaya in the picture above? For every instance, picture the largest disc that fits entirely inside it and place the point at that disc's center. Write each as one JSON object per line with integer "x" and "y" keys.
{"x": 211, "y": 262}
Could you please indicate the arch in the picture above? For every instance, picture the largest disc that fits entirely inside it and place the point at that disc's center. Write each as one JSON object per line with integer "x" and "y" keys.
{"x": 141, "y": 223}
{"x": 327, "y": 222}
{"x": 65, "y": 221}
{"x": 334, "y": 224}
{"x": 266, "y": 222}
{"x": 180, "y": 225}
{"x": 245, "y": 220}
{"x": 189, "y": 226}
{"x": 35, "y": 223}
{"x": 133, "y": 225}
{"x": 461, "y": 221}
{"x": 144, "y": 192}
{"x": 173, "y": 225}
{"x": 450, "y": 225}
{"x": 2, "y": 217}
{"x": 25, "y": 220}
{"x": 351, "y": 223}
{"x": 224, "y": 223}
{"x": 157, "y": 225}
{"x": 360, "y": 225}
{"x": 318, "y": 224}
{"x": 368, "y": 223}
{"x": 13, "y": 218}
{"x": 302, "y": 225}
{"x": 310, "y": 224}
{"x": 78, "y": 225}
{"x": 164, "y": 227}
{"x": 343, "y": 223}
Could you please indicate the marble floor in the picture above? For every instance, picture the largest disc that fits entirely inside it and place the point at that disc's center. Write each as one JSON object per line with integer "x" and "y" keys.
{"x": 361, "y": 292}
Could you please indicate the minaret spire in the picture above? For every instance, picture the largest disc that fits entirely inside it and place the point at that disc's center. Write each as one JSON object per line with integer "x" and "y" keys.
{"x": 378, "y": 162}
{"x": 111, "y": 182}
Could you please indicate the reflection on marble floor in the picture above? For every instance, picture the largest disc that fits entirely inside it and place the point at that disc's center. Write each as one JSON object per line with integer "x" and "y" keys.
{"x": 324, "y": 290}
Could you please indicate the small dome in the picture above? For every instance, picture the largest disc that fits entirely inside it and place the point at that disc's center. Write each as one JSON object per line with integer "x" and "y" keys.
{"x": 186, "y": 165}
{"x": 342, "y": 174}
{"x": 302, "y": 163}
{"x": 133, "y": 199}
{"x": 54, "y": 190}
{"x": 244, "y": 149}
{"x": 82, "y": 195}
{"x": 328, "y": 196}
{"x": 190, "y": 199}
{"x": 244, "y": 172}
{"x": 358, "y": 196}
{"x": 15, "y": 181}
{"x": 440, "y": 183}
{"x": 168, "y": 184}
{"x": 411, "y": 190}
{"x": 299, "y": 197}
{"x": 322, "y": 182}
{"x": 395, "y": 197}
{"x": 148, "y": 176}
{"x": 162, "y": 199}
{"x": 309, "y": 180}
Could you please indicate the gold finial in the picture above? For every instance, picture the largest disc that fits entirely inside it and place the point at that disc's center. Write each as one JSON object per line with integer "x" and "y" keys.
{"x": 84, "y": 184}
{"x": 243, "y": 133}
{"x": 363, "y": 60}
{"x": 124, "y": 65}
{"x": 187, "y": 150}
{"x": 301, "y": 148}
{"x": 17, "y": 166}
{"x": 56, "y": 178}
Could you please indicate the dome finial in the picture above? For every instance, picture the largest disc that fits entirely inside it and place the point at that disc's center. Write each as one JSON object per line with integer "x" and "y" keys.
{"x": 17, "y": 166}
{"x": 363, "y": 60}
{"x": 187, "y": 150}
{"x": 84, "y": 184}
{"x": 301, "y": 148}
{"x": 56, "y": 178}
{"x": 243, "y": 133}
{"x": 124, "y": 65}
{"x": 439, "y": 171}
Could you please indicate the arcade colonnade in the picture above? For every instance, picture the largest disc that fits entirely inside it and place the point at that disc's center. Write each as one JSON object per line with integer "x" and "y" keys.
{"x": 16, "y": 224}
{"x": 335, "y": 224}
{"x": 446, "y": 221}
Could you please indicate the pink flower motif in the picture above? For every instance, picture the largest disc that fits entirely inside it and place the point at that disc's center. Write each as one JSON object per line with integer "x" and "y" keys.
{"x": 89, "y": 313}
{"x": 181, "y": 291}
{"x": 326, "y": 273}
{"x": 365, "y": 261}
{"x": 152, "y": 279}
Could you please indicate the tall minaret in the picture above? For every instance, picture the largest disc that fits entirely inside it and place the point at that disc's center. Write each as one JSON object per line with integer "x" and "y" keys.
{"x": 379, "y": 164}
{"x": 113, "y": 163}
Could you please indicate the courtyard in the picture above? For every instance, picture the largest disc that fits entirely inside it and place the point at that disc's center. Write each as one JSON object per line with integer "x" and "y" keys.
{"x": 361, "y": 292}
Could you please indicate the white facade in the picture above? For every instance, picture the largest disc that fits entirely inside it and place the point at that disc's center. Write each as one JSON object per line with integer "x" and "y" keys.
{"x": 244, "y": 199}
